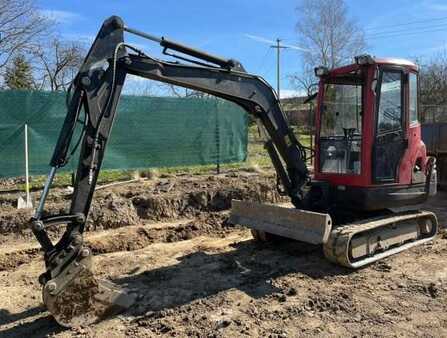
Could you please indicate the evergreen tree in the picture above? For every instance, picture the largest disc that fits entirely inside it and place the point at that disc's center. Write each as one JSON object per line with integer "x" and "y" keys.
{"x": 19, "y": 74}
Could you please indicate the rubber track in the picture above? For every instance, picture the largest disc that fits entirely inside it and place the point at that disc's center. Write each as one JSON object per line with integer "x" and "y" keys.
{"x": 336, "y": 249}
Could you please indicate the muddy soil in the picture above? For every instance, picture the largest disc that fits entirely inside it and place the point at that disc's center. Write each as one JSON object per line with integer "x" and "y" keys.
{"x": 164, "y": 198}
{"x": 198, "y": 276}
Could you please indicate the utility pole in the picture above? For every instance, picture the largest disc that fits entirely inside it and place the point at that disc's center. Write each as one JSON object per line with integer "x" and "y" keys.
{"x": 278, "y": 48}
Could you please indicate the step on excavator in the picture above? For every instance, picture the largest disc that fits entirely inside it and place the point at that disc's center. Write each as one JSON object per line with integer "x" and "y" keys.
{"x": 362, "y": 204}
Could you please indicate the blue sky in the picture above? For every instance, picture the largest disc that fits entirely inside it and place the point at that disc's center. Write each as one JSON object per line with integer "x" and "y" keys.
{"x": 398, "y": 28}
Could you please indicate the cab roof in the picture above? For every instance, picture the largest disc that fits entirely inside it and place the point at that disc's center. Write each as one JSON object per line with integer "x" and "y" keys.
{"x": 397, "y": 62}
{"x": 369, "y": 60}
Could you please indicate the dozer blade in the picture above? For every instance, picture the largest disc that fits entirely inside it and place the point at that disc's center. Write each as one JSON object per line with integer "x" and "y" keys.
{"x": 77, "y": 298}
{"x": 301, "y": 225}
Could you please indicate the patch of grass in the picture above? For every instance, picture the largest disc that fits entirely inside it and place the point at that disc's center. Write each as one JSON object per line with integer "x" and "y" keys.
{"x": 64, "y": 179}
{"x": 257, "y": 160}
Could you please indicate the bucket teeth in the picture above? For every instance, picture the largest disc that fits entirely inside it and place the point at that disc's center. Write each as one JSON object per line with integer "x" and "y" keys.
{"x": 79, "y": 299}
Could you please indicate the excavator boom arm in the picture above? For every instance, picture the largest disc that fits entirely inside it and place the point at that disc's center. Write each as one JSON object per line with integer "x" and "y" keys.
{"x": 95, "y": 92}
{"x": 97, "y": 88}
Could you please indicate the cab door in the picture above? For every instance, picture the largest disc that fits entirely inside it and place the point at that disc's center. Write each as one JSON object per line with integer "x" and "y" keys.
{"x": 390, "y": 137}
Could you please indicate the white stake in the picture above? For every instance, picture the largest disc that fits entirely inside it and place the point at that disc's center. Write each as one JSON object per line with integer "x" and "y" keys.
{"x": 21, "y": 204}
{"x": 28, "y": 199}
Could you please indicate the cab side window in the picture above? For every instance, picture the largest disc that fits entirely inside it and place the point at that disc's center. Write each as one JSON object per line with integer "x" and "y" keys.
{"x": 390, "y": 143}
{"x": 413, "y": 99}
{"x": 390, "y": 105}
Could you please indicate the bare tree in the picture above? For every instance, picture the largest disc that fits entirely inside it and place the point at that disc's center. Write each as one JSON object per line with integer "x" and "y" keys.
{"x": 433, "y": 87}
{"x": 185, "y": 92}
{"x": 139, "y": 86}
{"x": 143, "y": 87}
{"x": 305, "y": 80}
{"x": 330, "y": 36}
{"x": 20, "y": 25}
{"x": 58, "y": 63}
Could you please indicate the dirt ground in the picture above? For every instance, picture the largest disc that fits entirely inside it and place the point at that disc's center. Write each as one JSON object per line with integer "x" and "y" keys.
{"x": 168, "y": 240}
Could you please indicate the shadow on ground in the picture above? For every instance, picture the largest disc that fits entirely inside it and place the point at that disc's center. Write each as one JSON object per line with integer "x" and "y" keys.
{"x": 42, "y": 326}
{"x": 250, "y": 267}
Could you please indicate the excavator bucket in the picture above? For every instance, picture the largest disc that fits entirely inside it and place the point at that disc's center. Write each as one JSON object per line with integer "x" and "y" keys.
{"x": 280, "y": 220}
{"x": 77, "y": 298}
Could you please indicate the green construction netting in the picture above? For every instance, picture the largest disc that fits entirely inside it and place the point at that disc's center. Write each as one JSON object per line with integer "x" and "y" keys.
{"x": 148, "y": 132}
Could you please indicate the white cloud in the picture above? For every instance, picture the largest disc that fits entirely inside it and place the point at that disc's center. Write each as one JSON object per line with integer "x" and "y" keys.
{"x": 84, "y": 38}
{"x": 64, "y": 17}
{"x": 286, "y": 93}
{"x": 135, "y": 78}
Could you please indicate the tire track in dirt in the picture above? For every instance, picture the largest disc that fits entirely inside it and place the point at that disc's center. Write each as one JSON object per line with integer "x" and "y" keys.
{"x": 202, "y": 198}
{"x": 21, "y": 312}
{"x": 126, "y": 238}
{"x": 161, "y": 199}
{"x": 231, "y": 286}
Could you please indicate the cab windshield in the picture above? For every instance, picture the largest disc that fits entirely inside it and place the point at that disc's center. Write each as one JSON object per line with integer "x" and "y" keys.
{"x": 341, "y": 110}
{"x": 341, "y": 127}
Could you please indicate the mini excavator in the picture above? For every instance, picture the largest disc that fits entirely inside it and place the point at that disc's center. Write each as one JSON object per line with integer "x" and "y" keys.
{"x": 362, "y": 204}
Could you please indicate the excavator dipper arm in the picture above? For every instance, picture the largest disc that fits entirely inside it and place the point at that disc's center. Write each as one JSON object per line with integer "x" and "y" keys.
{"x": 96, "y": 91}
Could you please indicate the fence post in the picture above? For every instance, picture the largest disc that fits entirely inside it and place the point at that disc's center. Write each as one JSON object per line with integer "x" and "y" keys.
{"x": 217, "y": 132}
{"x": 28, "y": 198}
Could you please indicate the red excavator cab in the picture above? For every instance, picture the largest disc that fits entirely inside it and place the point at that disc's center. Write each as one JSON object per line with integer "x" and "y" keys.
{"x": 368, "y": 139}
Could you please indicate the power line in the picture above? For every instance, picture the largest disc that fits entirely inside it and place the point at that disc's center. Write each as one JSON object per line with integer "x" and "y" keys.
{"x": 408, "y": 30}
{"x": 278, "y": 46}
{"x": 408, "y": 33}
{"x": 405, "y": 24}
{"x": 264, "y": 40}
{"x": 268, "y": 72}
{"x": 263, "y": 61}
